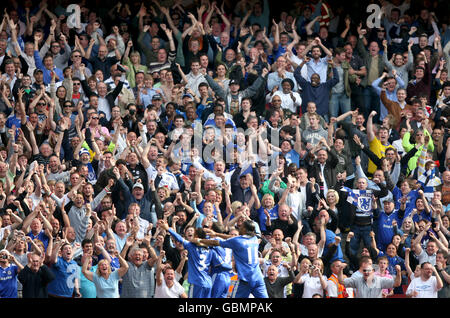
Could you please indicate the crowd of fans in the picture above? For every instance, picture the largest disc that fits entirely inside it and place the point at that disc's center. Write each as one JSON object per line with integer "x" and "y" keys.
{"x": 224, "y": 149}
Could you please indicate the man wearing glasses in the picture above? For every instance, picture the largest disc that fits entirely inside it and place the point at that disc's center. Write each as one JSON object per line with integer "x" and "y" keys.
{"x": 77, "y": 59}
{"x": 77, "y": 94}
{"x": 368, "y": 285}
{"x": 60, "y": 57}
{"x": 41, "y": 107}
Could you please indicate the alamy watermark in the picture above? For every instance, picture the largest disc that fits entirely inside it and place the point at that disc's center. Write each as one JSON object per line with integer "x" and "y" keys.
{"x": 374, "y": 19}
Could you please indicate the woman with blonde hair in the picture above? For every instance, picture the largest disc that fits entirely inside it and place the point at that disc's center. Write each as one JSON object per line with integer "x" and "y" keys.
{"x": 332, "y": 200}
{"x": 133, "y": 64}
{"x": 407, "y": 228}
{"x": 106, "y": 281}
{"x": 268, "y": 209}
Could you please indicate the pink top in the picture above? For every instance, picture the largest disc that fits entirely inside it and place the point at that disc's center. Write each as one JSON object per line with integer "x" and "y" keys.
{"x": 386, "y": 274}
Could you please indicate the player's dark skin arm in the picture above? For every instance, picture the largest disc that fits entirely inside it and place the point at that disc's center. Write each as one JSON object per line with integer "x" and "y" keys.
{"x": 207, "y": 242}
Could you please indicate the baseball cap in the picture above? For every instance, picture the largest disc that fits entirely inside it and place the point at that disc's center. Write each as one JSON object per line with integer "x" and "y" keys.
{"x": 138, "y": 185}
{"x": 187, "y": 95}
{"x": 390, "y": 200}
{"x": 233, "y": 81}
{"x": 156, "y": 96}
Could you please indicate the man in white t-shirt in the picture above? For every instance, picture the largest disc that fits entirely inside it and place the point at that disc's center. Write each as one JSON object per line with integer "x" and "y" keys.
{"x": 166, "y": 285}
{"x": 426, "y": 285}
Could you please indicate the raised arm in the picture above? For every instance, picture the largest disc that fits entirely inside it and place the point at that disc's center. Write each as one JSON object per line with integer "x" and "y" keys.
{"x": 159, "y": 268}
{"x": 370, "y": 133}
{"x": 324, "y": 48}
{"x": 84, "y": 269}
{"x": 310, "y": 25}
{"x": 276, "y": 36}
{"x": 165, "y": 11}
{"x": 323, "y": 236}
{"x": 123, "y": 269}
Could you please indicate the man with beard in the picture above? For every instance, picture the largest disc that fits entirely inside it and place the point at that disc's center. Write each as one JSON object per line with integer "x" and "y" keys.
{"x": 317, "y": 65}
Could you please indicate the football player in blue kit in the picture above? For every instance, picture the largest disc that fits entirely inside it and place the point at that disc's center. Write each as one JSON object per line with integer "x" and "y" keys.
{"x": 245, "y": 252}
{"x": 199, "y": 259}
{"x": 221, "y": 266}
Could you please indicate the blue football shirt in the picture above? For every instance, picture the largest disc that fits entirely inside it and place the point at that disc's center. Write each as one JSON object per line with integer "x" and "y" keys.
{"x": 245, "y": 252}
{"x": 199, "y": 259}
{"x": 8, "y": 281}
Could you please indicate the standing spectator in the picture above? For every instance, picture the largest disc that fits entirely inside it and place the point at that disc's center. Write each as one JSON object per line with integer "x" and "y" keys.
{"x": 316, "y": 90}
{"x": 334, "y": 288}
{"x": 166, "y": 285}
{"x": 317, "y": 64}
{"x": 9, "y": 269}
{"x": 274, "y": 79}
{"x": 233, "y": 96}
{"x": 314, "y": 280}
{"x": 275, "y": 284}
{"x": 421, "y": 84}
{"x": 428, "y": 254}
{"x": 374, "y": 64}
{"x": 368, "y": 285}
{"x": 106, "y": 281}
{"x": 102, "y": 61}
{"x": 65, "y": 270}
{"x": 46, "y": 64}
{"x": 35, "y": 277}
{"x": 139, "y": 281}
{"x": 444, "y": 272}
{"x": 427, "y": 284}
{"x": 390, "y": 85}
{"x": 341, "y": 92}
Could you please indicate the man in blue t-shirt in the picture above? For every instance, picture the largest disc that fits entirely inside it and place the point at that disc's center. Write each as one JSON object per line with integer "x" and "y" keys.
{"x": 386, "y": 219}
{"x": 245, "y": 252}
{"x": 66, "y": 282}
{"x": 8, "y": 275}
{"x": 37, "y": 229}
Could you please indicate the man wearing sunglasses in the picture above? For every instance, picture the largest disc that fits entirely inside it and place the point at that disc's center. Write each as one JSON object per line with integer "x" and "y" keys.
{"x": 368, "y": 285}
{"x": 60, "y": 50}
{"x": 77, "y": 60}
